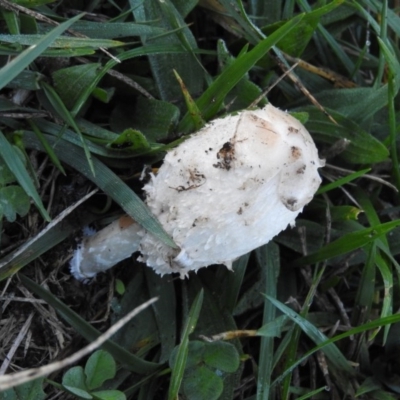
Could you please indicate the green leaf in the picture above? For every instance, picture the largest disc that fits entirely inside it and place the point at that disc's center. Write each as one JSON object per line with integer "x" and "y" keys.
{"x": 119, "y": 287}
{"x": 222, "y": 356}
{"x": 345, "y": 213}
{"x": 109, "y": 395}
{"x": 70, "y": 82}
{"x": 357, "y": 105}
{"x": 131, "y": 139}
{"x": 154, "y": 118}
{"x": 14, "y": 163}
{"x": 32, "y": 390}
{"x": 13, "y": 201}
{"x": 273, "y": 328}
{"x": 363, "y": 148}
{"x": 99, "y": 367}
{"x": 195, "y": 357}
{"x": 18, "y": 64}
{"x": 6, "y": 176}
{"x": 300, "y": 116}
{"x": 75, "y": 377}
{"x": 80, "y": 393}
{"x": 104, "y": 95}
{"x": 202, "y": 384}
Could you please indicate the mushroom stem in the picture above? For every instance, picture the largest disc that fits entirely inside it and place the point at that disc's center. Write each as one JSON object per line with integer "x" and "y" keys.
{"x": 106, "y": 248}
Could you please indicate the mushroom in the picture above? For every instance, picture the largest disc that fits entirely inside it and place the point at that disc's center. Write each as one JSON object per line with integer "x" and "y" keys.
{"x": 225, "y": 191}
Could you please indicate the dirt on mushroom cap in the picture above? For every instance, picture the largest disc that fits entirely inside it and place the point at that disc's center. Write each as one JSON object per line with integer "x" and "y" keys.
{"x": 230, "y": 188}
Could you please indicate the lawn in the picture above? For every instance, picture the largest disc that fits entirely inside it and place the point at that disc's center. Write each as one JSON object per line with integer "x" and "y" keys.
{"x": 94, "y": 95}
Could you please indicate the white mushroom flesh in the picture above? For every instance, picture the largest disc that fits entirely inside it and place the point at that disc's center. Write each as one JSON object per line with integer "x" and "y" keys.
{"x": 230, "y": 188}
{"x": 225, "y": 191}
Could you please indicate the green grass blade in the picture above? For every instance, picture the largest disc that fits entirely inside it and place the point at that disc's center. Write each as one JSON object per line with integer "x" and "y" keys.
{"x": 387, "y": 278}
{"x": 126, "y": 359}
{"x": 232, "y": 282}
{"x": 99, "y": 30}
{"x": 17, "y": 167}
{"x": 342, "y": 181}
{"x": 393, "y": 88}
{"x": 16, "y": 66}
{"x": 313, "y": 393}
{"x": 268, "y": 258}
{"x": 180, "y": 363}
{"x": 347, "y": 243}
{"x": 164, "y": 310}
{"x": 63, "y": 112}
{"x": 337, "y": 49}
{"x": 210, "y": 101}
{"x": 363, "y": 148}
{"x": 54, "y": 233}
{"x": 141, "y": 51}
{"x": 330, "y": 350}
{"x": 47, "y": 147}
{"x": 191, "y": 105}
{"x": 162, "y": 65}
{"x": 366, "y": 288}
{"x": 12, "y": 21}
{"x": 378, "y": 323}
{"x": 106, "y": 180}
{"x": 64, "y": 41}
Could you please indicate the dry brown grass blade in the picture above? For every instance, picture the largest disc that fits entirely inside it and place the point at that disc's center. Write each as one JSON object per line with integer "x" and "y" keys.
{"x": 265, "y": 92}
{"x": 18, "y": 378}
{"x": 21, "y": 335}
{"x": 297, "y": 82}
{"x": 230, "y": 335}
{"x": 372, "y": 177}
{"x": 8, "y": 259}
{"x": 339, "y": 80}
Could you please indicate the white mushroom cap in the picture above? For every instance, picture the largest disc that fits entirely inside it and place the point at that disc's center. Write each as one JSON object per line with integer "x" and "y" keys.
{"x": 229, "y": 189}
{"x": 225, "y": 191}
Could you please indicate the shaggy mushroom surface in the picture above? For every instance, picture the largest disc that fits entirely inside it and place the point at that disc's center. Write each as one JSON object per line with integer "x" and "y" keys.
{"x": 228, "y": 189}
